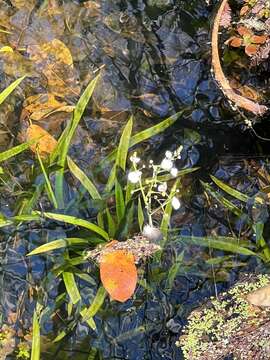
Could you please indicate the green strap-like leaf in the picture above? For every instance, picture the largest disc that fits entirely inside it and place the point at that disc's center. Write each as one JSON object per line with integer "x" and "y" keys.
{"x": 5, "y": 155}
{"x": 220, "y": 243}
{"x": 71, "y": 287}
{"x": 89, "y": 313}
{"x": 229, "y": 190}
{"x": 76, "y": 221}
{"x": 4, "y": 222}
{"x": 4, "y": 94}
{"x": 47, "y": 181}
{"x": 35, "y": 353}
{"x": 221, "y": 199}
{"x": 65, "y": 139}
{"x": 258, "y": 228}
{"x": 119, "y": 201}
{"x": 122, "y": 151}
{"x": 57, "y": 244}
{"x": 148, "y": 133}
{"x": 140, "y": 214}
{"x": 111, "y": 224}
{"x": 165, "y": 223}
{"x": 84, "y": 180}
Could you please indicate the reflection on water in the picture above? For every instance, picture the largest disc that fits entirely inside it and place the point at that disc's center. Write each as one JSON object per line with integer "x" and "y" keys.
{"x": 156, "y": 58}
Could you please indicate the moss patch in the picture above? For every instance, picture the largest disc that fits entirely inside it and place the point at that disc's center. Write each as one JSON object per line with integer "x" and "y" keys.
{"x": 212, "y": 331}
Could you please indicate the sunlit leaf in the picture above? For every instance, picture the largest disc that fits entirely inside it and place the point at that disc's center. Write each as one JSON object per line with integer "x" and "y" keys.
{"x": 84, "y": 180}
{"x": 229, "y": 244}
{"x": 119, "y": 201}
{"x": 71, "y": 287}
{"x": 91, "y": 311}
{"x": 35, "y": 353}
{"x": 5, "y": 155}
{"x": 140, "y": 214}
{"x": 4, "y": 222}
{"x": 67, "y": 135}
{"x": 118, "y": 274}
{"x": 44, "y": 142}
{"x": 122, "y": 150}
{"x": 58, "y": 244}
{"x": 4, "y": 94}
{"x": 76, "y": 221}
{"x": 47, "y": 180}
{"x": 148, "y": 133}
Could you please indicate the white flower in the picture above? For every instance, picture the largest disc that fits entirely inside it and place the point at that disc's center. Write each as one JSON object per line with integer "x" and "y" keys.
{"x": 134, "y": 176}
{"x": 166, "y": 164}
{"x": 168, "y": 154}
{"x": 162, "y": 187}
{"x": 174, "y": 171}
{"x": 135, "y": 159}
{"x": 175, "y": 203}
{"x": 152, "y": 233}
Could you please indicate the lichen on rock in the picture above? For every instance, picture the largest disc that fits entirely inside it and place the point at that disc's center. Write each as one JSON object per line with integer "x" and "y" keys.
{"x": 229, "y": 326}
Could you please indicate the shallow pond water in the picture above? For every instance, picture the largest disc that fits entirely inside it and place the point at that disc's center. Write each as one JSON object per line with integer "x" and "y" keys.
{"x": 156, "y": 61}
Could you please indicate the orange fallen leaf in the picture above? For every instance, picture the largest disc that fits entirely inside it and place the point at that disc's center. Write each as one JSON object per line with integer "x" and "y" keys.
{"x": 45, "y": 142}
{"x": 259, "y": 39}
{"x": 234, "y": 41}
{"x": 251, "y": 49}
{"x": 42, "y": 106}
{"x": 118, "y": 274}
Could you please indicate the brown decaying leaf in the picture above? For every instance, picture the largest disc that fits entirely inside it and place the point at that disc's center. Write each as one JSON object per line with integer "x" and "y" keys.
{"x": 41, "y": 106}
{"x": 239, "y": 100}
{"x": 45, "y": 142}
{"x": 55, "y": 61}
{"x": 118, "y": 274}
{"x": 139, "y": 246}
{"x": 245, "y": 90}
{"x": 226, "y": 17}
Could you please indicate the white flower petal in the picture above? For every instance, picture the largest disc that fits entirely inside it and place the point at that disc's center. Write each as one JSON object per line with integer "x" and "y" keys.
{"x": 135, "y": 159}
{"x": 175, "y": 203}
{"x": 134, "y": 176}
{"x": 162, "y": 187}
{"x": 174, "y": 171}
{"x": 168, "y": 154}
{"x": 166, "y": 164}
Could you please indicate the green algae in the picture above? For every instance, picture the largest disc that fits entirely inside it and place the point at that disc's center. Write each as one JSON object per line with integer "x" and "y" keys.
{"x": 214, "y": 325}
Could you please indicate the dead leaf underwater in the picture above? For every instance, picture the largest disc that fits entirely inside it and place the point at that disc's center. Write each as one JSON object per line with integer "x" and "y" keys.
{"x": 45, "y": 144}
{"x": 43, "y": 105}
{"x": 118, "y": 274}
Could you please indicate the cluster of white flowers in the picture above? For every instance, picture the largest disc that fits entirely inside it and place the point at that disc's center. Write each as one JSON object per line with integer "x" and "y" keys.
{"x": 156, "y": 187}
